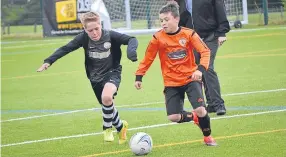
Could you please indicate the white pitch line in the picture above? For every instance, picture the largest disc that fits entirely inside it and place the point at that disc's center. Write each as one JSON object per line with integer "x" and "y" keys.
{"x": 46, "y": 115}
{"x": 137, "y": 128}
{"x": 134, "y": 105}
{"x": 256, "y": 29}
{"x": 31, "y": 41}
{"x": 34, "y": 45}
{"x": 237, "y": 30}
{"x": 255, "y": 92}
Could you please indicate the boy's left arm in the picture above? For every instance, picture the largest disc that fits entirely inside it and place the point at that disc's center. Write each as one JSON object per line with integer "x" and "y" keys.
{"x": 204, "y": 51}
{"x": 132, "y": 43}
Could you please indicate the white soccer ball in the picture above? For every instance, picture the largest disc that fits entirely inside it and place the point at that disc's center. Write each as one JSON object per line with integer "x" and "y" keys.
{"x": 141, "y": 143}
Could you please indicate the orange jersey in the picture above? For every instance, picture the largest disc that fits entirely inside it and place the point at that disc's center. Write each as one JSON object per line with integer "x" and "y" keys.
{"x": 176, "y": 56}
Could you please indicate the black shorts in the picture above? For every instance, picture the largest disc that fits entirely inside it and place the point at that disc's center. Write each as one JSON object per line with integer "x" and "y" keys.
{"x": 174, "y": 97}
{"x": 113, "y": 77}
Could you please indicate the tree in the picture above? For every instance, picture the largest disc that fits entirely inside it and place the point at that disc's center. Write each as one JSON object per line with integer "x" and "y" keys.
{"x": 21, "y": 12}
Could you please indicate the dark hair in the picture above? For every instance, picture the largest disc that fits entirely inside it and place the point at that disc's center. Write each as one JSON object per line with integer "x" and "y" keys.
{"x": 171, "y": 6}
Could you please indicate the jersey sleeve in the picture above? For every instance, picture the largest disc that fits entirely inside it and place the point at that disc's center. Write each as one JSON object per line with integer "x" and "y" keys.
{"x": 120, "y": 38}
{"x": 150, "y": 56}
{"x": 66, "y": 49}
{"x": 131, "y": 42}
{"x": 201, "y": 48}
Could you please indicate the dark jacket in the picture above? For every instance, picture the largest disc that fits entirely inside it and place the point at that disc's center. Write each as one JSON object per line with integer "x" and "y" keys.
{"x": 81, "y": 40}
{"x": 208, "y": 16}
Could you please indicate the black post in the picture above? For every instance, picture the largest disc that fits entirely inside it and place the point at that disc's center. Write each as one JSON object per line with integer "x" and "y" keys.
{"x": 42, "y": 21}
{"x": 8, "y": 29}
{"x": 3, "y": 29}
{"x": 265, "y": 11}
{"x": 35, "y": 27}
{"x": 149, "y": 24}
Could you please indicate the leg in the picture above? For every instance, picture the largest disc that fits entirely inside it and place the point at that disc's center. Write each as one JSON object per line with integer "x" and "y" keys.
{"x": 195, "y": 96}
{"x": 113, "y": 80}
{"x": 107, "y": 109}
{"x": 174, "y": 100}
{"x": 107, "y": 104}
{"x": 107, "y": 112}
{"x": 211, "y": 82}
{"x": 109, "y": 91}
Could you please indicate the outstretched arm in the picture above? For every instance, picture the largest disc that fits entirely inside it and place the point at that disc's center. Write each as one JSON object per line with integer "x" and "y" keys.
{"x": 62, "y": 51}
{"x": 145, "y": 64}
{"x": 126, "y": 40}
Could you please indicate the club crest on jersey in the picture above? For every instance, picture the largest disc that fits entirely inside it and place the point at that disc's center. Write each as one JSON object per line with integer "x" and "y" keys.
{"x": 182, "y": 42}
{"x": 107, "y": 45}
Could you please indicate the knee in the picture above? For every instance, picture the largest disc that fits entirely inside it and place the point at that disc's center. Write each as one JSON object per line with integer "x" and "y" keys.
{"x": 107, "y": 100}
{"x": 200, "y": 111}
{"x": 174, "y": 117}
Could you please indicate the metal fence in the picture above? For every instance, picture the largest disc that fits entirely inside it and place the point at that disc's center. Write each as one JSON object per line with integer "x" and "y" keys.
{"x": 31, "y": 23}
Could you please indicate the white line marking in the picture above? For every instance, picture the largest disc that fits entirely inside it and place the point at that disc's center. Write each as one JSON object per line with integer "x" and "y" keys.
{"x": 134, "y": 105}
{"x": 138, "y": 128}
{"x": 46, "y": 115}
{"x": 26, "y": 41}
{"x": 238, "y": 30}
{"x": 34, "y": 45}
{"x": 255, "y": 92}
{"x": 256, "y": 29}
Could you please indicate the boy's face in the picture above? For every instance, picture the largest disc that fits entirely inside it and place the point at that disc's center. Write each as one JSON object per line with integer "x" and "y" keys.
{"x": 93, "y": 29}
{"x": 168, "y": 22}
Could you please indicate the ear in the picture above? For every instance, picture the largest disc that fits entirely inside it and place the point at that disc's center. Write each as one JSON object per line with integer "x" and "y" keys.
{"x": 84, "y": 28}
{"x": 177, "y": 19}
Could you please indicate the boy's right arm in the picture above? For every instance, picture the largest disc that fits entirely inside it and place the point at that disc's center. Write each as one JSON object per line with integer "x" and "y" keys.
{"x": 62, "y": 51}
{"x": 145, "y": 64}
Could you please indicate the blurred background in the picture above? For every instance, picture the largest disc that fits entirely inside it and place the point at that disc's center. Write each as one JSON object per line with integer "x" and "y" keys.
{"x": 25, "y": 17}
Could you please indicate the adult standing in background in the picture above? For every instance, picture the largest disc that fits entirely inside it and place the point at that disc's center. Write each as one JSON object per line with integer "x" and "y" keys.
{"x": 208, "y": 18}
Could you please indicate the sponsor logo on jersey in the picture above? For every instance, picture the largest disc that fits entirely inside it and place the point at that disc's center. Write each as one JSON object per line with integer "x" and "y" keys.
{"x": 99, "y": 55}
{"x": 178, "y": 54}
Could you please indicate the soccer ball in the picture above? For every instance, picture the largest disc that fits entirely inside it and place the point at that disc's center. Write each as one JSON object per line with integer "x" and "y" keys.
{"x": 141, "y": 143}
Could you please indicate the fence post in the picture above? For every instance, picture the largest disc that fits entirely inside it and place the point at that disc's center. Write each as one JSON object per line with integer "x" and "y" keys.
{"x": 128, "y": 14}
{"x": 282, "y": 13}
{"x": 35, "y": 27}
{"x": 149, "y": 24}
{"x": 3, "y": 29}
{"x": 8, "y": 29}
{"x": 265, "y": 11}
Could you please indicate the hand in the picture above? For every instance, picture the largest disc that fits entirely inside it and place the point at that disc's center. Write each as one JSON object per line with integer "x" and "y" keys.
{"x": 221, "y": 40}
{"x": 45, "y": 66}
{"x": 138, "y": 85}
{"x": 197, "y": 76}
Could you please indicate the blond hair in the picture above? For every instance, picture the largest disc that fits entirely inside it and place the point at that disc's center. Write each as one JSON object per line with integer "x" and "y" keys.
{"x": 89, "y": 17}
{"x": 171, "y": 6}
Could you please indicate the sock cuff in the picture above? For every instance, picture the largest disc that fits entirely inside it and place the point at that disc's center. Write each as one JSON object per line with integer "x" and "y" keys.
{"x": 182, "y": 117}
{"x": 108, "y": 107}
